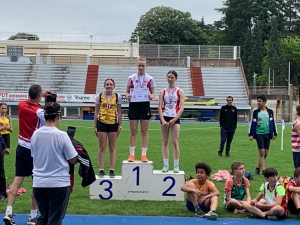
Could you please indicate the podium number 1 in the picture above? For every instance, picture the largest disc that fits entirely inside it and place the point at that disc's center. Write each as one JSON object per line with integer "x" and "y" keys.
{"x": 137, "y": 169}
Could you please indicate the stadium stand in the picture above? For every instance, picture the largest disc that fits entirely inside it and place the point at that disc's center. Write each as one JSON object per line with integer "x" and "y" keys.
{"x": 63, "y": 79}
{"x": 15, "y": 77}
{"x": 221, "y": 82}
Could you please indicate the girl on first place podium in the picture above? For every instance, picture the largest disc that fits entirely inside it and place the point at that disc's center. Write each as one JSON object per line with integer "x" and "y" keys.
{"x": 170, "y": 108}
{"x": 139, "y": 110}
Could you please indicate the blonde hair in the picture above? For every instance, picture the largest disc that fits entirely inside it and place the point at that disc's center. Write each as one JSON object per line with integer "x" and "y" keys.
{"x": 142, "y": 58}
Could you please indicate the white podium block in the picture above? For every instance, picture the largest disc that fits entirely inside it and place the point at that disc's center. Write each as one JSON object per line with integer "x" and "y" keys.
{"x": 139, "y": 182}
{"x": 136, "y": 174}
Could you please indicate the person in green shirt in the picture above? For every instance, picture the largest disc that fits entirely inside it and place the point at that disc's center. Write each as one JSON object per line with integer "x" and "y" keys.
{"x": 270, "y": 203}
{"x": 263, "y": 129}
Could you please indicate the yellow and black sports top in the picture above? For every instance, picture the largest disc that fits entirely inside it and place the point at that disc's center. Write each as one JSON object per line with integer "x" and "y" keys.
{"x": 3, "y": 122}
{"x": 108, "y": 113}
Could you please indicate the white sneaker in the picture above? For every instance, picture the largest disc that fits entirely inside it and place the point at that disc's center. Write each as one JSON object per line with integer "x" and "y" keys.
{"x": 176, "y": 169}
{"x": 32, "y": 221}
{"x": 8, "y": 220}
{"x": 165, "y": 169}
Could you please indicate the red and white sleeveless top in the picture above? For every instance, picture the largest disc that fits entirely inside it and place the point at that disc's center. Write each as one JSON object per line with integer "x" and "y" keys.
{"x": 171, "y": 103}
{"x": 295, "y": 138}
{"x": 140, "y": 81}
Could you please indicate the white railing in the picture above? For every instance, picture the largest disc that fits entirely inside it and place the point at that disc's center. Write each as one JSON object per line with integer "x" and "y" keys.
{"x": 70, "y": 37}
{"x": 194, "y": 51}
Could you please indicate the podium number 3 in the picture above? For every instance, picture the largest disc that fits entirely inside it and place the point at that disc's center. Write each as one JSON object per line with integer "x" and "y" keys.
{"x": 108, "y": 189}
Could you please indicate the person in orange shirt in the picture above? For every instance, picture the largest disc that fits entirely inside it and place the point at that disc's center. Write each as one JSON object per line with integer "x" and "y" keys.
{"x": 202, "y": 194}
{"x": 236, "y": 188}
{"x": 5, "y": 124}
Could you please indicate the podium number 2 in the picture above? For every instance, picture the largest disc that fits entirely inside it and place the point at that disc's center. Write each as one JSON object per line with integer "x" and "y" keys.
{"x": 108, "y": 189}
{"x": 165, "y": 193}
{"x": 137, "y": 169}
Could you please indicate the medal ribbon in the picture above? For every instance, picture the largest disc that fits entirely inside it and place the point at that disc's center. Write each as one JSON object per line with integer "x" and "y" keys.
{"x": 143, "y": 80}
{"x": 108, "y": 104}
{"x": 171, "y": 96}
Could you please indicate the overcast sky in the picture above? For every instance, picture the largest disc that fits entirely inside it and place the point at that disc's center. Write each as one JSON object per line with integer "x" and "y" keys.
{"x": 111, "y": 18}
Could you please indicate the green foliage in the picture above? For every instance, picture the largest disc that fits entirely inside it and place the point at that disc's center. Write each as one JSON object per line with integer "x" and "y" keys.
{"x": 253, "y": 52}
{"x": 165, "y": 25}
{"x": 31, "y": 37}
{"x": 236, "y": 20}
{"x": 291, "y": 49}
{"x": 276, "y": 58}
{"x": 268, "y": 21}
{"x": 192, "y": 152}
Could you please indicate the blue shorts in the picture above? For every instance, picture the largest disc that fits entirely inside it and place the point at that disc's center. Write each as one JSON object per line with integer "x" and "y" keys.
{"x": 24, "y": 162}
{"x": 190, "y": 206}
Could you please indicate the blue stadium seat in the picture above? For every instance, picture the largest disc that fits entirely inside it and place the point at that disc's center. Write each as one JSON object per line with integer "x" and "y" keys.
{"x": 207, "y": 115}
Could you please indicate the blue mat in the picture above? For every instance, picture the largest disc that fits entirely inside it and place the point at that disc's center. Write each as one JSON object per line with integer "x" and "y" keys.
{"x": 21, "y": 219}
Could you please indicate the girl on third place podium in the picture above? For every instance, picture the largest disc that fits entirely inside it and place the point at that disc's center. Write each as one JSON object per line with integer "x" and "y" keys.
{"x": 107, "y": 124}
{"x": 139, "y": 109}
{"x": 170, "y": 108}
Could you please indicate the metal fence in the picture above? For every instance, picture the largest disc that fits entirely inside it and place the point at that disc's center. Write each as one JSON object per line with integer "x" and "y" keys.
{"x": 194, "y": 51}
{"x": 70, "y": 37}
{"x": 276, "y": 90}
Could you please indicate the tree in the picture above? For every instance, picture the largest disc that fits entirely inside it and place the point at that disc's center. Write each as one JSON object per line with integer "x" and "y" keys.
{"x": 165, "y": 25}
{"x": 291, "y": 49}
{"x": 237, "y": 20}
{"x": 218, "y": 34}
{"x": 253, "y": 52}
{"x": 31, "y": 37}
{"x": 275, "y": 57}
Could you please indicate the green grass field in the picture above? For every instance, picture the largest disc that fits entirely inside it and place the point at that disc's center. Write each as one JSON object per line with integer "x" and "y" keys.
{"x": 198, "y": 142}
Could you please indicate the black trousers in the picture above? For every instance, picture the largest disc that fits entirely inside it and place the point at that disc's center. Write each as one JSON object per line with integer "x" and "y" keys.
{"x": 52, "y": 204}
{"x": 2, "y": 174}
{"x": 226, "y": 136}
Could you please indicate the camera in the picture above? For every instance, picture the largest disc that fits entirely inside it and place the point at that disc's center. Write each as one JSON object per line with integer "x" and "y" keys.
{"x": 50, "y": 98}
{"x": 71, "y": 131}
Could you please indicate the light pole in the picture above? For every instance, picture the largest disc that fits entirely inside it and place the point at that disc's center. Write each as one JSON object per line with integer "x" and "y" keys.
{"x": 91, "y": 36}
{"x": 254, "y": 83}
{"x": 289, "y": 78}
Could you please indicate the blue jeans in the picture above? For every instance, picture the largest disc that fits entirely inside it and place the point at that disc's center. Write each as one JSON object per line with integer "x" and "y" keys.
{"x": 226, "y": 136}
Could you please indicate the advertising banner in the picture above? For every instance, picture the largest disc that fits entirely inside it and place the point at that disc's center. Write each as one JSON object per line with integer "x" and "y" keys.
{"x": 90, "y": 98}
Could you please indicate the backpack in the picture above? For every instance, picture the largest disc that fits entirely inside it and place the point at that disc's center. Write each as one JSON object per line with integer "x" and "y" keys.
{"x": 248, "y": 175}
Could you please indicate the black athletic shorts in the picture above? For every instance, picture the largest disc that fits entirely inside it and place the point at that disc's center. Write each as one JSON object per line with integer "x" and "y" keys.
{"x": 107, "y": 128}
{"x": 6, "y": 138}
{"x": 24, "y": 162}
{"x": 139, "y": 111}
{"x": 263, "y": 141}
{"x": 167, "y": 119}
{"x": 291, "y": 206}
{"x": 296, "y": 159}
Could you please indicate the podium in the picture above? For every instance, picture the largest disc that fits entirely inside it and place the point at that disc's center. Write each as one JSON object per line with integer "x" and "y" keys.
{"x": 139, "y": 182}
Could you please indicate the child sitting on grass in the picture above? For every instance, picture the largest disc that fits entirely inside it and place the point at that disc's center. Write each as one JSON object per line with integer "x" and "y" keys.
{"x": 293, "y": 189}
{"x": 202, "y": 194}
{"x": 270, "y": 203}
{"x": 236, "y": 188}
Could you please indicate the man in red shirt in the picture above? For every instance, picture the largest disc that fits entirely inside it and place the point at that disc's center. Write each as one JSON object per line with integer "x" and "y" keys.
{"x": 31, "y": 117}
{"x": 293, "y": 190}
